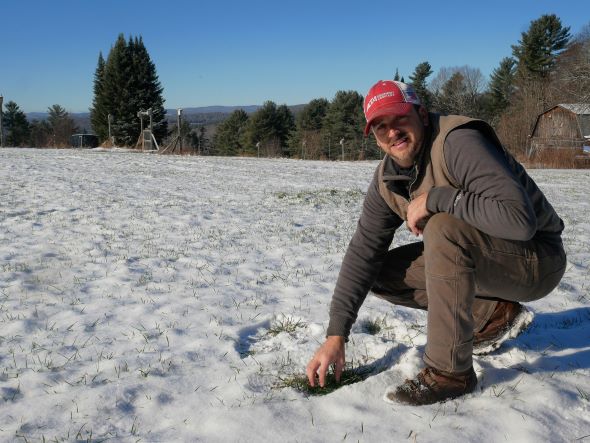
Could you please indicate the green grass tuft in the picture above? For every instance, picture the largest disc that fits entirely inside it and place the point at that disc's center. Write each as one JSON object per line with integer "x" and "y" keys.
{"x": 349, "y": 376}
{"x": 375, "y": 326}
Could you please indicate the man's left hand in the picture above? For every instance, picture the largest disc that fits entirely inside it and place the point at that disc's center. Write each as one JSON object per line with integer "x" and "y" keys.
{"x": 418, "y": 214}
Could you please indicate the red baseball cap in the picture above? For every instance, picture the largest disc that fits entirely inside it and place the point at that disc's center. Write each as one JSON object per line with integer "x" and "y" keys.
{"x": 387, "y": 97}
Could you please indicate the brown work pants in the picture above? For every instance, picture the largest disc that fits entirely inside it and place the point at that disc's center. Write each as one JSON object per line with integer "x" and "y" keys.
{"x": 458, "y": 273}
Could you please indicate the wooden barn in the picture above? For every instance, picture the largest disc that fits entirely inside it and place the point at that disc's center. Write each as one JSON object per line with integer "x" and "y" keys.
{"x": 565, "y": 126}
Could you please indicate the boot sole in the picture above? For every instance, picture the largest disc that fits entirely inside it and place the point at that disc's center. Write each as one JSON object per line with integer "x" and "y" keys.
{"x": 521, "y": 322}
{"x": 389, "y": 396}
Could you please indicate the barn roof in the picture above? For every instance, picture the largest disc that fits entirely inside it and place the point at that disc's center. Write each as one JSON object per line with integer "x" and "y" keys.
{"x": 582, "y": 111}
{"x": 577, "y": 108}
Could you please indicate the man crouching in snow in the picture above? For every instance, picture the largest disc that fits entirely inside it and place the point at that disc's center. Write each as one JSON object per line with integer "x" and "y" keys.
{"x": 490, "y": 241}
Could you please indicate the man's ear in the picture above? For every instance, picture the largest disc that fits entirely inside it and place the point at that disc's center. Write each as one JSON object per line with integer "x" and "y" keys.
{"x": 423, "y": 113}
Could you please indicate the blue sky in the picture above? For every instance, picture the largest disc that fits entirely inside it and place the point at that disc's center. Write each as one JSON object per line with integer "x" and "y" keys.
{"x": 224, "y": 52}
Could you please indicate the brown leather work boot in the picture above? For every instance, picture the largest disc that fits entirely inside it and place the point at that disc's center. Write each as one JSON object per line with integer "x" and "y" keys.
{"x": 507, "y": 321}
{"x": 431, "y": 386}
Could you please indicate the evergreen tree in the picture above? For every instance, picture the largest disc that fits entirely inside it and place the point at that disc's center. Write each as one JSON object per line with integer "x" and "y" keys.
{"x": 228, "y": 139}
{"x": 501, "y": 88}
{"x": 98, "y": 111}
{"x": 117, "y": 95}
{"x": 538, "y": 47}
{"x": 284, "y": 126}
{"x": 260, "y": 130}
{"x": 61, "y": 125}
{"x": 15, "y": 125}
{"x": 306, "y": 141}
{"x": 268, "y": 129}
{"x": 396, "y": 76}
{"x": 124, "y": 85}
{"x": 149, "y": 89}
{"x": 418, "y": 81}
{"x": 312, "y": 116}
{"x": 345, "y": 122}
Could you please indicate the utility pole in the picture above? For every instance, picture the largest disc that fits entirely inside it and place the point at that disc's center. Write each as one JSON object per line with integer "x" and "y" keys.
{"x": 1, "y": 128}
{"x": 178, "y": 122}
{"x": 110, "y": 120}
{"x": 140, "y": 114}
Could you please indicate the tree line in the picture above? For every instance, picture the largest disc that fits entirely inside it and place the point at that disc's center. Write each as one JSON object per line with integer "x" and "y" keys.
{"x": 321, "y": 130}
{"x": 548, "y": 66}
{"x": 55, "y": 131}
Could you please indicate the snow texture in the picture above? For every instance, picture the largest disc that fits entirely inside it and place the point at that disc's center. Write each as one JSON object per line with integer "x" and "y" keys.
{"x": 165, "y": 298}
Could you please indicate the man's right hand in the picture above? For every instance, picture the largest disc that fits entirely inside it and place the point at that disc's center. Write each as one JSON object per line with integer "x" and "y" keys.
{"x": 331, "y": 352}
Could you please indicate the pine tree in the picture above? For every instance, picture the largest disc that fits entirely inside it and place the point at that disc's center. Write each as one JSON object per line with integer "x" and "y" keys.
{"x": 61, "y": 125}
{"x": 124, "y": 85}
{"x": 260, "y": 131}
{"x": 15, "y": 125}
{"x": 311, "y": 118}
{"x": 117, "y": 95}
{"x": 306, "y": 140}
{"x": 345, "y": 122}
{"x": 268, "y": 130}
{"x": 149, "y": 88}
{"x": 98, "y": 111}
{"x": 501, "y": 88}
{"x": 284, "y": 126}
{"x": 538, "y": 47}
{"x": 418, "y": 81}
{"x": 228, "y": 137}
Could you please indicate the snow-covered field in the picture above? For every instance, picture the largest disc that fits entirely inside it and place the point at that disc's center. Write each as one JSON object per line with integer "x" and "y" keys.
{"x": 164, "y": 298}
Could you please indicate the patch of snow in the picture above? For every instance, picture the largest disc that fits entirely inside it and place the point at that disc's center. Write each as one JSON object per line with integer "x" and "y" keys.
{"x": 161, "y": 298}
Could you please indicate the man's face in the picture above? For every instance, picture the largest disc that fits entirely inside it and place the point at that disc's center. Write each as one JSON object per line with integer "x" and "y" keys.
{"x": 401, "y": 136}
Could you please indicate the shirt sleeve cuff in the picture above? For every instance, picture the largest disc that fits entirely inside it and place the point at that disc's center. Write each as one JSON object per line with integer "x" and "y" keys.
{"x": 339, "y": 326}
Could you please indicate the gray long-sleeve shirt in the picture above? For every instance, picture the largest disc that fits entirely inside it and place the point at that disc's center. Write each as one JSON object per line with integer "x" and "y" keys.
{"x": 492, "y": 198}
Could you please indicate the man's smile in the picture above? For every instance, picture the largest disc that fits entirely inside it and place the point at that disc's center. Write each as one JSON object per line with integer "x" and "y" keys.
{"x": 400, "y": 143}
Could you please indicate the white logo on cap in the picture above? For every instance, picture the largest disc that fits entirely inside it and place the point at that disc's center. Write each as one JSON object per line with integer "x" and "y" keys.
{"x": 379, "y": 97}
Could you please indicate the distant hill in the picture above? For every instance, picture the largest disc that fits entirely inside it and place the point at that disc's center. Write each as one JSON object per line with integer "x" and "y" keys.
{"x": 204, "y": 115}
{"x": 215, "y": 109}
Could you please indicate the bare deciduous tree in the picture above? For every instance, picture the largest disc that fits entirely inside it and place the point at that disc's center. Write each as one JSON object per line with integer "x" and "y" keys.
{"x": 459, "y": 90}
{"x": 571, "y": 80}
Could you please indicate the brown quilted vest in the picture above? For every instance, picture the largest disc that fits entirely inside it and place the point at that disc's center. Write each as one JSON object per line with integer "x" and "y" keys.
{"x": 431, "y": 166}
{"x": 432, "y": 171}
